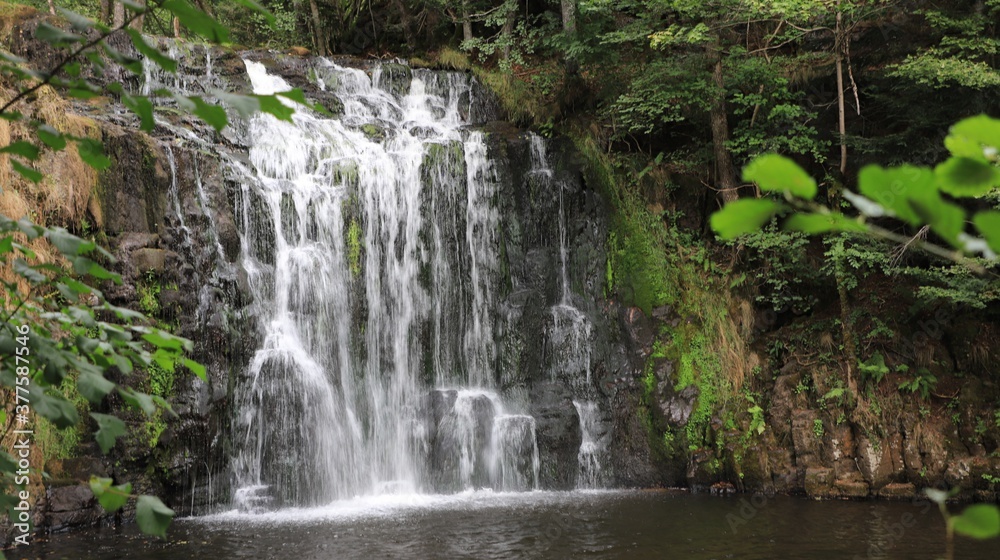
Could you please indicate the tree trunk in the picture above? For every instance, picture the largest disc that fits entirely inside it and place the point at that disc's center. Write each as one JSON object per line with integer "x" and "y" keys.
{"x": 52, "y": 7}
{"x": 205, "y": 7}
{"x": 138, "y": 22}
{"x": 105, "y": 12}
{"x": 507, "y": 31}
{"x": 177, "y": 27}
{"x": 318, "y": 36}
{"x": 725, "y": 172}
{"x": 118, "y": 18}
{"x": 839, "y": 47}
{"x": 568, "y": 16}
{"x": 466, "y": 22}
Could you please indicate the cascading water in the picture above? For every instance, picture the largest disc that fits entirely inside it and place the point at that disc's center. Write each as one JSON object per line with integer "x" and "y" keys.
{"x": 571, "y": 330}
{"x": 592, "y": 446}
{"x": 370, "y": 247}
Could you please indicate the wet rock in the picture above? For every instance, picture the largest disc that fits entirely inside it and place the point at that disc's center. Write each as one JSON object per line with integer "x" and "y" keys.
{"x": 558, "y": 432}
{"x": 852, "y": 489}
{"x": 677, "y": 409}
{"x": 150, "y": 260}
{"x": 897, "y": 491}
{"x": 394, "y": 78}
{"x": 819, "y": 482}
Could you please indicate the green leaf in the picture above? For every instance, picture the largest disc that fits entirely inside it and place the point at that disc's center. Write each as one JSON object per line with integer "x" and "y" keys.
{"x": 271, "y": 105}
{"x": 28, "y": 272}
{"x": 897, "y": 188}
{"x": 92, "y": 153}
{"x": 110, "y": 428}
{"x": 297, "y": 96}
{"x": 55, "y": 36}
{"x": 988, "y": 223}
{"x": 213, "y": 115}
{"x": 83, "y": 265}
{"x": 79, "y": 22}
{"x": 197, "y": 21}
{"x": 161, "y": 339}
{"x": 51, "y": 137}
{"x": 54, "y": 408}
{"x": 151, "y": 52}
{"x": 28, "y": 173}
{"x": 27, "y": 150}
{"x": 245, "y": 105}
{"x": 140, "y": 105}
{"x": 946, "y": 219}
{"x": 968, "y": 137}
{"x": 68, "y": 244}
{"x": 979, "y": 521}
{"x": 964, "y": 176}
{"x": 93, "y": 386}
{"x": 196, "y": 368}
{"x": 138, "y": 400}
{"x": 111, "y": 498}
{"x": 776, "y": 173}
{"x": 743, "y": 216}
{"x": 6, "y": 244}
{"x": 29, "y": 229}
{"x": 153, "y": 516}
{"x": 822, "y": 223}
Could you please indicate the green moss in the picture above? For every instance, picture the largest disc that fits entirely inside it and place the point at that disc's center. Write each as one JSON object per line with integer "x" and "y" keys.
{"x": 354, "y": 247}
{"x": 148, "y": 291}
{"x": 154, "y": 428}
{"x": 373, "y": 132}
{"x": 62, "y": 443}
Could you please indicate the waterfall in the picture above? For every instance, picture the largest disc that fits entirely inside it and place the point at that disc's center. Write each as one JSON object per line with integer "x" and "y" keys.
{"x": 570, "y": 334}
{"x": 371, "y": 250}
{"x": 592, "y": 446}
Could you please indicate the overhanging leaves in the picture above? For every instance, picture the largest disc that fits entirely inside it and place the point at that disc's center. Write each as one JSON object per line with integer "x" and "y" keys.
{"x": 743, "y": 216}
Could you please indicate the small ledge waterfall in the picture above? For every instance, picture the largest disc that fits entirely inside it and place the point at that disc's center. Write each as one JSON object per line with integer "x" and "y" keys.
{"x": 371, "y": 248}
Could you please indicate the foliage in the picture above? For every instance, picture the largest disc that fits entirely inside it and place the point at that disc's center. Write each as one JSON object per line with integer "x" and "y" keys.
{"x": 923, "y": 382}
{"x": 965, "y": 52}
{"x": 58, "y": 329}
{"x": 978, "y": 521}
{"x": 818, "y": 429}
{"x": 779, "y": 269}
{"x": 874, "y": 369}
{"x": 911, "y": 194}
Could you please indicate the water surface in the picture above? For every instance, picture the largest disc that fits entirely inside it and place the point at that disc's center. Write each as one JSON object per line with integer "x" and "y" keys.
{"x": 577, "y": 525}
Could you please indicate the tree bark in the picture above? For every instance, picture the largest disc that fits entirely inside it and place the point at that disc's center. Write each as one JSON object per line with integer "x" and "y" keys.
{"x": 507, "y": 31}
{"x": 52, "y": 7}
{"x": 568, "y": 8}
{"x": 105, "y": 12}
{"x": 318, "y": 36}
{"x": 205, "y": 7}
{"x": 466, "y": 22}
{"x": 177, "y": 27}
{"x": 839, "y": 47}
{"x": 725, "y": 172}
{"x": 118, "y": 19}
{"x": 139, "y": 21}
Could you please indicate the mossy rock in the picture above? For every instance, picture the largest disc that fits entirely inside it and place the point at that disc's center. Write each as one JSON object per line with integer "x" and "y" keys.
{"x": 394, "y": 78}
{"x": 374, "y": 132}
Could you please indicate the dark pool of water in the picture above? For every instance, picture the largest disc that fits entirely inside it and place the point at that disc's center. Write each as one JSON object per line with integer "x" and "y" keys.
{"x": 633, "y": 525}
